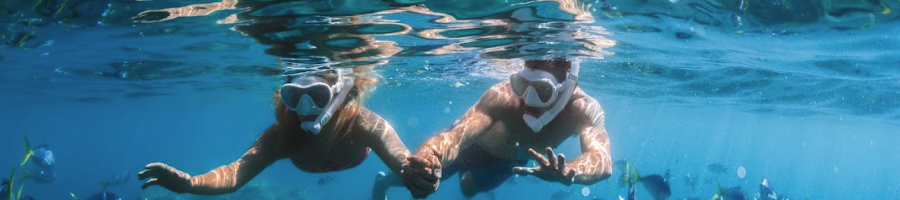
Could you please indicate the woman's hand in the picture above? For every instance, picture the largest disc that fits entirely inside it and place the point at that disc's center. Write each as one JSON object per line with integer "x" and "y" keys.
{"x": 165, "y": 176}
{"x": 422, "y": 174}
{"x": 552, "y": 169}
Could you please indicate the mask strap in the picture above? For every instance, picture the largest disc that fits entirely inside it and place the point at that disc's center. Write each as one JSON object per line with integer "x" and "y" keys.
{"x": 316, "y": 126}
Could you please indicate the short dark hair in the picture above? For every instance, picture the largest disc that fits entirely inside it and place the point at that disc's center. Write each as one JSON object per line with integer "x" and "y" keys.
{"x": 557, "y": 66}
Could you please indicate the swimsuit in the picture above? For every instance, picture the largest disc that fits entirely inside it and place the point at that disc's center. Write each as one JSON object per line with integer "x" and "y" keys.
{"x": 333, "y": 168}
{"x": 487, "y": 170}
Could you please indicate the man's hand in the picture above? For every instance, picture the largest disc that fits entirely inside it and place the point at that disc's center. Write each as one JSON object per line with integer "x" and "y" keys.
{"x": 552, "y": 169}
{"x": 422, "y": 174}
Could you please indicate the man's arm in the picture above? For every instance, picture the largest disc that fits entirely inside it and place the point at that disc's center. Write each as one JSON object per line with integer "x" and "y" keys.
{"x": 595, "y": 163}
{"x": 423, "y": 170}
{"x": 475, "y": 122}
{"x": 229, "y": 178}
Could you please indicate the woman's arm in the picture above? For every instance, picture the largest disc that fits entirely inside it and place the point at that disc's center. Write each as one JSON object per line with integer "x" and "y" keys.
{"x": 381, "y": 137}
{"x": 226, "y": 179}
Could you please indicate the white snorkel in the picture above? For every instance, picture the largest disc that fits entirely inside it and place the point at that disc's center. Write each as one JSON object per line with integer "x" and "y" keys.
{"x": 314, "y": 127}
{"x": 538, "y": 123}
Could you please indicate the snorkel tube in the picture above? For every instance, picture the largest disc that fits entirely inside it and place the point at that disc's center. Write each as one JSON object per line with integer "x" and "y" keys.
{"x": 315, "y": 126}
{"x": 538, "y": 123}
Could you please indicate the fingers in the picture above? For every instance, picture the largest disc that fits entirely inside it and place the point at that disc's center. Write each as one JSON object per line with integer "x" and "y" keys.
{"x": 539, "y": 158}
{"x": 156, "y": 165}
{"x": 562, "y": 164}
{"x": 418, "y": 162}
{"x": 419, "y": 170}
{"x": 569, "y": 178}
{"x": 152, "y": 170}
{"x": 147, "y": 173}
{"x": 418, "y": 187}
{"x": 571, "y": 175}
{"x": 151, "y": 182}
{"x": 436, "y": 173}
{"x": 425, "y": 185}
{"x": 437, "y": 154}
{"x": 552, "y": 158}
{"x": 421, "y": 176}
{"x": 436, "y": 165}
{"x": 523, "y": 170}
{"x": 430, "y": 165}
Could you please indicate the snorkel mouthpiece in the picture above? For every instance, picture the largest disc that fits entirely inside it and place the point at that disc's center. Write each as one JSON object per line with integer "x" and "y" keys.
{"x": 311, "y": 127}
{"x": 315, "y": 127}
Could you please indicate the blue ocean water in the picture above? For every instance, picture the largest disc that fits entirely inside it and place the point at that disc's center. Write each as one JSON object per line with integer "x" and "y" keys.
{"x": 801, "y": 93}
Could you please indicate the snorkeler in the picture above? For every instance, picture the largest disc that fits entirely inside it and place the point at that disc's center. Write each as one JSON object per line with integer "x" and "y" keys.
{"x": 321, "y": 127}
{"x": 538, "y": 108}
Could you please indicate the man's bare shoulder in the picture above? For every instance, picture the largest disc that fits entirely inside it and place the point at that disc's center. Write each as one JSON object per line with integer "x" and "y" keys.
{"x": 580, "y": 99}
{"x": 585, "y": 106}
{"x": 499, "y": 96}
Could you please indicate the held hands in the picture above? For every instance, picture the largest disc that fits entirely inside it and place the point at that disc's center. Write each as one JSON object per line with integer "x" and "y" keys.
{"x": 165, "y": 176}
{"x": 422, "y": 173}
{"x": 552, "y": 168}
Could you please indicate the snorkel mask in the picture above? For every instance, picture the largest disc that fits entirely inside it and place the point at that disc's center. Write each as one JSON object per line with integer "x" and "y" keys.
{"x": 315, "y": 92}
{"x": 540, "y": 89}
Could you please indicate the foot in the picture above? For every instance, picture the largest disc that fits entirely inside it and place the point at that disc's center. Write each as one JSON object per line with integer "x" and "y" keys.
{"x": 467, "y": 184}
{"x": 379, "y": 190}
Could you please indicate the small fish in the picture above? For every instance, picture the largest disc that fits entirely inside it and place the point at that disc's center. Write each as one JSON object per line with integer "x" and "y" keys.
{"x": 325, "y": 180}
{"x": 766, "y": 192}
{"x": 119, "y": 179}
{"x": 717, "y": 168}
{"x": 656, "y": 185}
{"x": 43, "y": 157}
{"x": 621, "y": 165}
{"x": 733, "y": 193}
{"x": 104, "y": 196}
{"x": 41, "y": 175}
{"x": 4, "y": 192}
{"x": 43, "y": 170}
{"x": 689, "y": 180}
{"x": 631, "y": 191}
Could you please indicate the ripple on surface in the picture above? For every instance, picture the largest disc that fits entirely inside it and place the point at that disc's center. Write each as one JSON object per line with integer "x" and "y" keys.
{"x": 216, "y": 47}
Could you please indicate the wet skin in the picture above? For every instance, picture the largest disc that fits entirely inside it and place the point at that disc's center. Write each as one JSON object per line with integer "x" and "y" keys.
{"x": 286, "y": 140}
{"x": 495, "y": 124}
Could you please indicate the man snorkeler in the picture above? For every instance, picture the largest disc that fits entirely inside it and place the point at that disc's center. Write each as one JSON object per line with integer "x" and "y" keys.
{"x": 537, "y": 108}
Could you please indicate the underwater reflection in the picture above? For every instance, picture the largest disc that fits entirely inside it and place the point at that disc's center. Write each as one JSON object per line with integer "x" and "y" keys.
{"x": 525, "y": 31}
{"x": 313, "y": 32}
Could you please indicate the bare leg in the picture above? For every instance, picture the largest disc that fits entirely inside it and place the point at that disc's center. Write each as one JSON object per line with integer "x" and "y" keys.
{"x": 383, "y": 182}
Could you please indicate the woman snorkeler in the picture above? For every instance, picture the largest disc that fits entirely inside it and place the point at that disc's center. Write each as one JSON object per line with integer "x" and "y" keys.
{"x": 321, "y": 126}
